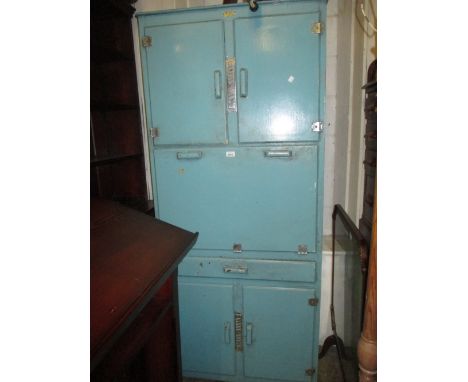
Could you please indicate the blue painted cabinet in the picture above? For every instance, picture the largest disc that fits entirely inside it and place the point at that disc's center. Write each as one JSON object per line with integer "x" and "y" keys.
{"x": 234, "y": 101}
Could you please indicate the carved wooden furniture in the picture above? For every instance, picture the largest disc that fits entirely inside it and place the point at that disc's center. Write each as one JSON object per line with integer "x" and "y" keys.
{"x": 134, "y": 313}
{"x": 367, "y": 347}
{"x": 370, "y": 161}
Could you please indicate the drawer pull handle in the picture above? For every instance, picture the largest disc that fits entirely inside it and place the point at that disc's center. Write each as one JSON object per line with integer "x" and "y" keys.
{"x": 227, "y": 332}
{"x": 217, "y": 84}
{"x": 189, "y": 155}
{"x": 244, "y": 83}
{"x": 230, "y": 269}
{"x": 278, "y": 153}
{"x": 249, "y": 330}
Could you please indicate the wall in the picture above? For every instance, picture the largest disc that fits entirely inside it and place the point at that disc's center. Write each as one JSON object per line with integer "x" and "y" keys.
{"x": 364, "y": 51}
{"x": 350, "y": 49}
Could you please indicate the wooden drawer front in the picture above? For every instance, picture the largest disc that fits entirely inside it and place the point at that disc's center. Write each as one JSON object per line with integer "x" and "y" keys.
{"x": 303, "y": 271}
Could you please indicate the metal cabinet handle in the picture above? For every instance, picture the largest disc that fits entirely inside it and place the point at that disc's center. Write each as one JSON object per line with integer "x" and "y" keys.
{"x": 244, "y": 82}
{"x": 278, "y": 153}
{"x": 217, "y": 83}
{"x": 249, "y": 330}
{"x": 227, "y": 332}
{"x": 189, "y": 154}
{"x": 234, "y": 269}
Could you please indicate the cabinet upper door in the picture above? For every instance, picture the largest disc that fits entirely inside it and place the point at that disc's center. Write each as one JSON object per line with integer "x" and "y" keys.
{"x": 185, "y": 78}
{"x": 278, "y": 72}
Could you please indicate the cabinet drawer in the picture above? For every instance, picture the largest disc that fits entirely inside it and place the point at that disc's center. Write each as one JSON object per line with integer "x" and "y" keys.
{"x": 303, "y": 271}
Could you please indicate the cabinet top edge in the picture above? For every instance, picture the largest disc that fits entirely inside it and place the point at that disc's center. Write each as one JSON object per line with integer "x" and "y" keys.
{"x": 222, "y": 6}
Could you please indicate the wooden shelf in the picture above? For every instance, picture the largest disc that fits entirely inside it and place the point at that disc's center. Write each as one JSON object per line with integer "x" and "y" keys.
{"x": 102, "y": 54}
{"x": 105, "y": 9}
{"x": 142, "y": 205}
{"x": 113, "y": 158}
{"x": 115, "y": 110}
{"x": 104, "y": 106}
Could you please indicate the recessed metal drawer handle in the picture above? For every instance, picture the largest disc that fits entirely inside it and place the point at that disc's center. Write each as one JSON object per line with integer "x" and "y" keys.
{"x": 227, "y": 332}
{"x": 278, "y": 153}
{"x": 244, "y": 83}
{"x": 189, "y": 155}
{"x": 235, "y": 269}
{"x": 248, "y": 337}
{"x": 217, "y": 83}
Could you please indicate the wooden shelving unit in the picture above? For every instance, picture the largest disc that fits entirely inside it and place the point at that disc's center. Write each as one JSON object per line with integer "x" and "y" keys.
{"x": 117, "y": 160}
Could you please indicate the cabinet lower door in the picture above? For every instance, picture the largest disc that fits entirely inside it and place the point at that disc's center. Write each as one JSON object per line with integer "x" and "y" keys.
{"x": 279, "y": 332}
{"x": 206, "y": 327}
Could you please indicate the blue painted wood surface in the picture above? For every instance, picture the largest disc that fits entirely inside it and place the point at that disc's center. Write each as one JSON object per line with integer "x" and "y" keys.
{"x": 252, "y": 177}
{"x": 216, "y": 196}
{"x": 204, "y": 344}
{"x": 279, "y": 270}
{"x": 186, "y": 62}
{"x": 281, "y": 58}
{"x": 280, "y": 318}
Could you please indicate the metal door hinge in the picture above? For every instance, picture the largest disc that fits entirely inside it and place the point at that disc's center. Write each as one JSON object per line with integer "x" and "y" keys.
{"x": 317, "y": 127}
{"x": 317, "y": 27}
{"x": 302, "y": 249}
{"x": 146, "y": 41}
{"x": 238, "y": 331}
{"x": 313, "y": 301}
{"x": 237, "y": 248}
{"x": 310, "y": 372}
{"x": 154, "y": 132}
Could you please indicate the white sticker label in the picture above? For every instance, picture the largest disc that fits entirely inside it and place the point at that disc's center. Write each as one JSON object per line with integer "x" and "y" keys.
{"x": 230, "y": 154}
